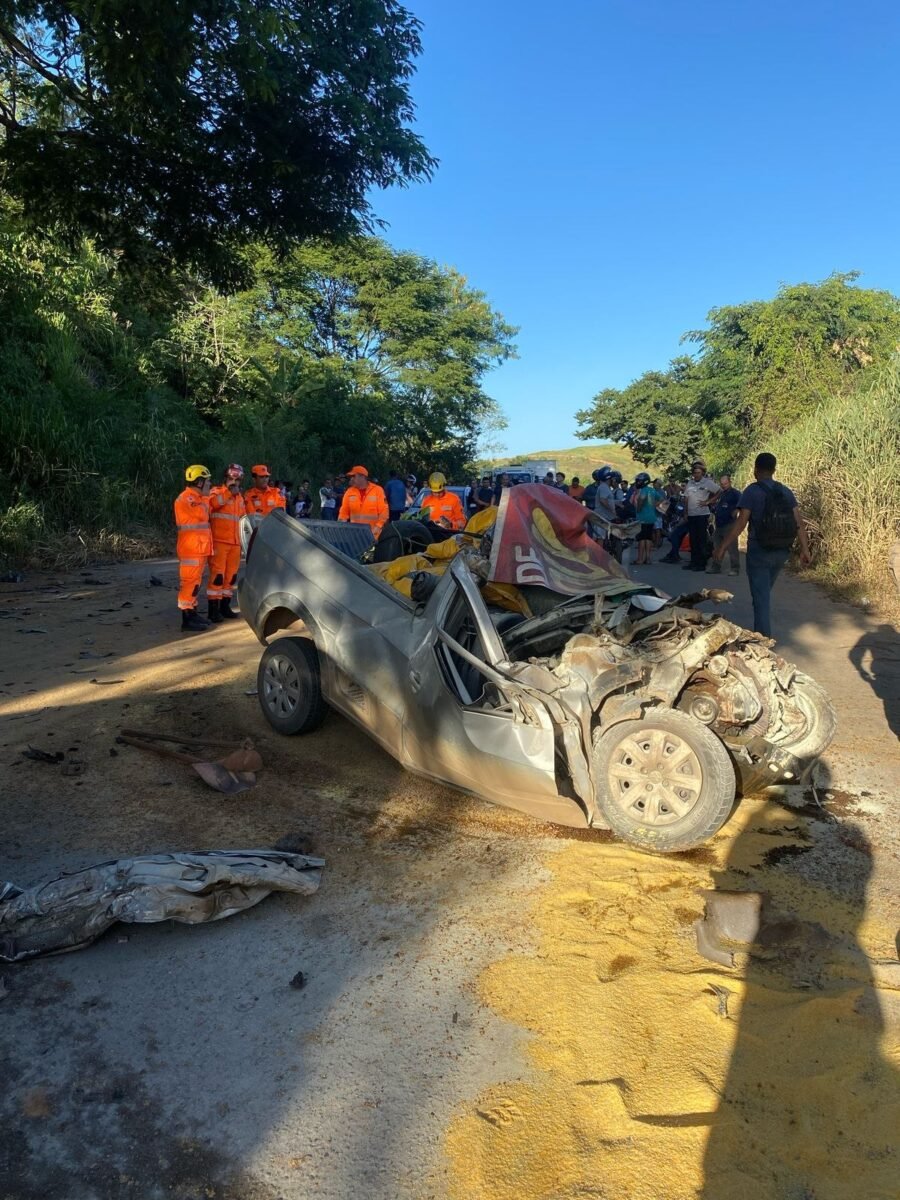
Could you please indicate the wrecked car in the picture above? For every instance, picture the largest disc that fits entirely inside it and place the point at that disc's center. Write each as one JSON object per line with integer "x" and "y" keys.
{"x": 519, "y": 663}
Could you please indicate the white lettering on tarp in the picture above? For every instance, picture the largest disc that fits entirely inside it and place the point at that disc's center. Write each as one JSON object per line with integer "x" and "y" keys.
{"x": 529, "y": 569}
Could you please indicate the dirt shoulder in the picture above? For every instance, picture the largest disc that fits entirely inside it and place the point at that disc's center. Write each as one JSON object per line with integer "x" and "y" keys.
{"x": 177, "y": 1060}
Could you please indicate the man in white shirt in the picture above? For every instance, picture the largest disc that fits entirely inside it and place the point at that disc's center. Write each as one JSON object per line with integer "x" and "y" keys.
{"x": 699, "y": 492}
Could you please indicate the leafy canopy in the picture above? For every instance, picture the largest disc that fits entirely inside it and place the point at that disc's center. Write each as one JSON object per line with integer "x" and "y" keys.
{"x": 759, "y": 368}
{"x": 189, "y": 129}
{"x": 401, "y": 344}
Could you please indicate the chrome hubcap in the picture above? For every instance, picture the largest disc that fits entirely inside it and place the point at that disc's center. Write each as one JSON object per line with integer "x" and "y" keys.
{"x": 655, "y": 777}
{"x": 281, "y": 686}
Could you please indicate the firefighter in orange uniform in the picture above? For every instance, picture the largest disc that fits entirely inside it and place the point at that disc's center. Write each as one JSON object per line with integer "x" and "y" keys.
{"x": 261, "y": 498}
{"x": 364, "y": 503}
{"x": 226, "y": 507}
{"x": 194, "y": 544}
{"x": 442, "y": 507}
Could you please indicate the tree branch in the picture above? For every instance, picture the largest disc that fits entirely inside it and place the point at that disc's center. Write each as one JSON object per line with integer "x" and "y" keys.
{"x": 37, "y": 64}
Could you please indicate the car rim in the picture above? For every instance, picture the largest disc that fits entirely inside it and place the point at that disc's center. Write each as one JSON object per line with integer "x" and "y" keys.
{"x": 655, "y": 777}
{"x": 281, "y": 686}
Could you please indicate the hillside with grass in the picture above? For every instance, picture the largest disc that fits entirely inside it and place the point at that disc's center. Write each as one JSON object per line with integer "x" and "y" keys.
{"x": 581, "y": 460}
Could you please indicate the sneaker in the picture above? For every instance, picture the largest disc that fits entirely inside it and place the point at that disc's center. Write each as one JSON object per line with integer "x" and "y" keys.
{"x": 713, "y": 568}
{"x": 734, "y": 571}
{"x": 670, "y": 558}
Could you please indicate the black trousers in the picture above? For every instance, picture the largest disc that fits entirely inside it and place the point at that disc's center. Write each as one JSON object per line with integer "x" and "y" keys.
{"x": 698, "y": 529}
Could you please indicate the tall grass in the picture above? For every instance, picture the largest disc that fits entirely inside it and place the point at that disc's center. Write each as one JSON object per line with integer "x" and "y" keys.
{"x": 843, "y": 461}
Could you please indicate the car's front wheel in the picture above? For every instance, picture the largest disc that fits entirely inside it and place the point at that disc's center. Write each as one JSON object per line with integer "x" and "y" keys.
{"x": 664, "y": 782}
{"x": 289, "y": 686}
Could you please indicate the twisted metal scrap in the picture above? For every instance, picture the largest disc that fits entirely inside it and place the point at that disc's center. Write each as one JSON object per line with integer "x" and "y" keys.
{"x": 70, "y": 911}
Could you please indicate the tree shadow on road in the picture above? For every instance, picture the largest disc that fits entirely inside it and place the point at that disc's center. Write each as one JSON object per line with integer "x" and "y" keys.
{"x": 809, "y": 1107}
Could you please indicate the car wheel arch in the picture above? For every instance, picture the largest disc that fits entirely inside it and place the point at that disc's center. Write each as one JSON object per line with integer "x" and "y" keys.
{"x": 282, "y": 614}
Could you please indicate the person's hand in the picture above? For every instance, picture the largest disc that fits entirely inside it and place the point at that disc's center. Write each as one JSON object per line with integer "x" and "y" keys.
{"x": 805, "y": 558}
{"x": 718, "y": 554}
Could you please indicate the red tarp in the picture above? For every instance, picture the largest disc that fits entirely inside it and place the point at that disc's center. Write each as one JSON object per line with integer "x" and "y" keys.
{"x": 540, "y": 538}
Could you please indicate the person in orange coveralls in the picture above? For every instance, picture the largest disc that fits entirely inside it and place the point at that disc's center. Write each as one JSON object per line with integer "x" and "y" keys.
{"x": 364, "y": 503}
{"x": 442, "y": 507}
{"x": 261, "y": 498}
{"x": 194, "y": 544}
{"x": 226, "y": 507}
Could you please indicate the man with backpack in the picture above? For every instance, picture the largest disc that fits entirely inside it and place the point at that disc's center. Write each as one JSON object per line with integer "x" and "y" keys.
{"x": 776, "y": 523}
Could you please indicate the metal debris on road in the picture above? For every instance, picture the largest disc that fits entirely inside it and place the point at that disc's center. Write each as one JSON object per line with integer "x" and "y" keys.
{"x": 232, "y": 773}
{"x": 71, "y": 910}
{"x": 44, "y": 756}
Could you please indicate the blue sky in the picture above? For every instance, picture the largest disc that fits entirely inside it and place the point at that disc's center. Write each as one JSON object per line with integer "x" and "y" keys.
{"x": 612, "y": 170}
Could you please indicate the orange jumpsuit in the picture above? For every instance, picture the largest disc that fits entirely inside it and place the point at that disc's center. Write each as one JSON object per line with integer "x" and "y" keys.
{"x": 444, "y": 504}
{"x": 365, "y": 507}
{"x": 263, "y": 500}
{"x": 225, "y": 512}
{"x": 194, "y": 544}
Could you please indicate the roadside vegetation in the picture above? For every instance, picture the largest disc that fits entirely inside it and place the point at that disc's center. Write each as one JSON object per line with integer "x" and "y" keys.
{"x": 813, "y": 376}
{"x": 211, "y": 291}
{"x": 843, "y": 461}
{"x": 578, "y": 460}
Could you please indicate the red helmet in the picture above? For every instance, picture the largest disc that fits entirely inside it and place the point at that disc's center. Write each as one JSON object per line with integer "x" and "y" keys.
{"x": 234, "y": 471}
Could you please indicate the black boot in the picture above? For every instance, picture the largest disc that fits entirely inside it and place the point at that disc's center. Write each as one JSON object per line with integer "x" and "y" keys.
{"x": 192, "y": 622}
{"x": 213, "y": 613}
{"x": 225, "y": 610}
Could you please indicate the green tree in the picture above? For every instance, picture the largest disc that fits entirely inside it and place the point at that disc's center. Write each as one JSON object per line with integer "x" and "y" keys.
{"x": 188, "y": 129}
{"x": 405, "y": 340}
{"x": 773, "y": 361}
{"x": 759, "y": 367}
{"x": 657, "y": 416}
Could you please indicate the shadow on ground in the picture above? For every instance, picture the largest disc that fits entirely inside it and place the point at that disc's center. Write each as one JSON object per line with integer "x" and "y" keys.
{"x": 178, "y": 1061}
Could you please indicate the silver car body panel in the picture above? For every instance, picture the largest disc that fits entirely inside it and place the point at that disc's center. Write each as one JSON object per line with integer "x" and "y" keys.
{"x": 438, "y": 688}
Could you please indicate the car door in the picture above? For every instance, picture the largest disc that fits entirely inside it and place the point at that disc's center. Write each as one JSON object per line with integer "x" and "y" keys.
{"x": 468, "y": 724}
{"x": 366, "y": 628}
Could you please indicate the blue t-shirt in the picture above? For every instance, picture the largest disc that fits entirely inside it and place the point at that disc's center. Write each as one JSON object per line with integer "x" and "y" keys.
{"x": 754, "y": 498}
{"x": 395, "y": 491}
{"x": 726, "y": 505}
{"x": 645, "y": 501}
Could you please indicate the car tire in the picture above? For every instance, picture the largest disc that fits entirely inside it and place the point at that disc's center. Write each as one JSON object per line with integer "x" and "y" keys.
{"x": 399, "y": 538}
{"x": 289, "y": 686}
{"x": 657, "y": 807}
{"x": 820, "y": 719}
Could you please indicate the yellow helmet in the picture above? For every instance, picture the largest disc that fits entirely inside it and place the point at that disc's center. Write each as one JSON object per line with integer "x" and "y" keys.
{"x": 195, "y": 472}
{"x": 437, "y": 481}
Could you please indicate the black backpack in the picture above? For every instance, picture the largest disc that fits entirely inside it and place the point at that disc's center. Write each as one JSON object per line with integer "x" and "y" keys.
{"x": 777, "y": 528}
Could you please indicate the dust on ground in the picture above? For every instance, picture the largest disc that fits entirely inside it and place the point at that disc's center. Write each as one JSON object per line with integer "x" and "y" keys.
{"x": 451, "y": 947}
{"x": 654, "y": 1074}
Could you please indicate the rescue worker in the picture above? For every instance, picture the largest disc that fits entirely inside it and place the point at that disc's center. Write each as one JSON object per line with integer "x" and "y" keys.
{"x": 364, "y": 503}
{"x": 226, "y": 508}
{"x": 442, "y": 507}
{"x": 194, "y": 544}
{"x": 262, "y": 498}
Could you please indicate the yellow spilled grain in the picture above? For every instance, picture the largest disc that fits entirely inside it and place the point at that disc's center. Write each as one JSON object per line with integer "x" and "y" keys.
{"x": 658, "y": 1075}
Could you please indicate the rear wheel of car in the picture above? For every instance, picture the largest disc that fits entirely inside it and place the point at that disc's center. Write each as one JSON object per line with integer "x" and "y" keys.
{"x": 819, "y": 720}
{"x": 289, "y": 686}
{"x": 664, "y": 782}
